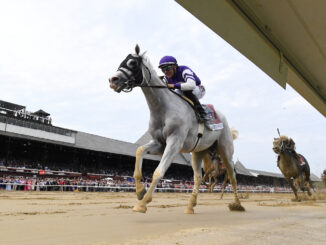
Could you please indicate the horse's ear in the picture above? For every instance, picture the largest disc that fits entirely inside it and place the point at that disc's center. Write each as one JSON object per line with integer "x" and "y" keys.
{"x": 137, "y": 49}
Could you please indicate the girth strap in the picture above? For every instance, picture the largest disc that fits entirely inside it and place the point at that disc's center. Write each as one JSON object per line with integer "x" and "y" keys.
{"x": 201, "y": 128}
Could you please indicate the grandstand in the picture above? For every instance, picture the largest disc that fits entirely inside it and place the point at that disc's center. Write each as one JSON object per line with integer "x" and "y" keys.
{"x": 31, "y": 146}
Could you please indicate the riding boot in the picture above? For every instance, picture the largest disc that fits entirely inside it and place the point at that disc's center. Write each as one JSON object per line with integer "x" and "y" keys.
{"x": 200, "y": 111}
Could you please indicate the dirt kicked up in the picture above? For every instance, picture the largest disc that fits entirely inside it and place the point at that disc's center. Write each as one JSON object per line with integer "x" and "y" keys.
{"x": 107, "y": 218}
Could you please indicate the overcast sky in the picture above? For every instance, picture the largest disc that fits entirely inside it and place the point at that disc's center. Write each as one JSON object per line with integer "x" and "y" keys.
{"x": 58, "y": 55}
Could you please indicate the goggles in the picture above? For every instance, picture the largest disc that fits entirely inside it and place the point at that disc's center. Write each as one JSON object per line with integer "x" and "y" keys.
{"x": 167, "y": 68}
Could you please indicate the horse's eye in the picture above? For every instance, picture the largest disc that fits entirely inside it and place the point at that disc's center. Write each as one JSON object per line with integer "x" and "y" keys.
{"x": 132, "y": 64}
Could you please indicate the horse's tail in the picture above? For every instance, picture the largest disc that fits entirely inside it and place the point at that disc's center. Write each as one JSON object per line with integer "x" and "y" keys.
{"x": 306, "y": 170}
{"x": 235, "y": 133}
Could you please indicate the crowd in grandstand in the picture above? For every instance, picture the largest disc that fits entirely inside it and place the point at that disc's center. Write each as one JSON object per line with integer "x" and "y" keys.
{"x": 27, "y": 115}
{"x": 81, "y": 184}
{"x": 105, "y": 180}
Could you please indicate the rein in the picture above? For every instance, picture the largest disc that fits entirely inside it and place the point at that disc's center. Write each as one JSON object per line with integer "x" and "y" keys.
{"x": 131, "y": 83}
{"x": 152, "y": 86}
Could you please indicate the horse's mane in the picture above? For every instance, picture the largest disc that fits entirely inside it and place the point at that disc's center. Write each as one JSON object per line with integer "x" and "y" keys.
{"x": 150, "y": 67}
{"x": 283, "y": 138}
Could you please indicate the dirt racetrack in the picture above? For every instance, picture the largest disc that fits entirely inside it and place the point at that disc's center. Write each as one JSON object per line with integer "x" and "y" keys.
{"x": 107, "y": 218}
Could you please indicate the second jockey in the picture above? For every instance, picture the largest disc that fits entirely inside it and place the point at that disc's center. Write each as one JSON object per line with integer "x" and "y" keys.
{"x": 185, "y": 81}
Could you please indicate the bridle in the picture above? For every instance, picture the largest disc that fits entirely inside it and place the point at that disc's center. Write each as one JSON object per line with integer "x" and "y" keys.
{"x": 280, "y": 148}
{"x": 137, "y": 78}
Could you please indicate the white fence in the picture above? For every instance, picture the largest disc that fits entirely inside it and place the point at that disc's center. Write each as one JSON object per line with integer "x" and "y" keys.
{"x": 94, "y": 188}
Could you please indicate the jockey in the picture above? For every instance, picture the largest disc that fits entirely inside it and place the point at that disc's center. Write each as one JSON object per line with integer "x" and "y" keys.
{"x": 290, "y": 145}
{"x": 185, "y": 81}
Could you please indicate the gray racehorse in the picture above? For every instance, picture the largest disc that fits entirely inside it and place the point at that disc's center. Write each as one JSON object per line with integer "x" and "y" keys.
{"x": 173, "y": 127}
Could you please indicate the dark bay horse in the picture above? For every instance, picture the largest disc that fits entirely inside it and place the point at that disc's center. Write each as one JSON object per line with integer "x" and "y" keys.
{"x": 295, "y": 170}
{"x": 214, "y": 167}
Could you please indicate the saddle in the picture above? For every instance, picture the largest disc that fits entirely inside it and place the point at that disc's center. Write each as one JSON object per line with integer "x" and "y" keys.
{"x": 214, "y": 123}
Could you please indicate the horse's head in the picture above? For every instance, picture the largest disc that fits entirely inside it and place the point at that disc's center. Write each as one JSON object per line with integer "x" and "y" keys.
{"x": 279, "y": 144}
{"x": 129, "y": 73}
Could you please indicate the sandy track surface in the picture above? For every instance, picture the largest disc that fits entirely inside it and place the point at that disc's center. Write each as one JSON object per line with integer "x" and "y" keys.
{"x": 107, "y": 218}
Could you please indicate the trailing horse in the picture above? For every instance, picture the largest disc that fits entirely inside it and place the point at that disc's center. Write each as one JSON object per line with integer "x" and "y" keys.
{"x": 295, "y": 168}
{"x": 214, "y": 167}
{"x": 173, "y": 127}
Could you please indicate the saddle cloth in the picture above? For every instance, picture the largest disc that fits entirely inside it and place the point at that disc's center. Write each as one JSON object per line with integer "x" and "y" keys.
{"x": 214, "y": 123}
{"x": 301, "y": 160}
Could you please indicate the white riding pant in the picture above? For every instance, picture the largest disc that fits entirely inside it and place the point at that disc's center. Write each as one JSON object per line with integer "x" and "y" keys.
{"x": 199, "y": 91}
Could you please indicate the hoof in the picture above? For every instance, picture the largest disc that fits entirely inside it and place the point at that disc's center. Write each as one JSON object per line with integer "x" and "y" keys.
{"x": 189, "y": 211}
{"x": 141, "y": 194}
{"x": 296, "y": 200}
{"x": 140, "y": 209}
{"x": 236, "y": 207}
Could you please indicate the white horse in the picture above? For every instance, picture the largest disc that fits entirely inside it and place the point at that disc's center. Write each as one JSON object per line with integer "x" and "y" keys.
{"x": 173, "y": 127}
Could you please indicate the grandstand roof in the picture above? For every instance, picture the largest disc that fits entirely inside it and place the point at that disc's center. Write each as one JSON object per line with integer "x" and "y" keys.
{"x": 99, "y": 143}
{"x": 265, "y": 173}
{"x": 11, "y": 106}
{"x": 314, "y": 177}
{"x": 41, "y": 113}
{"x": 241, "y": 169}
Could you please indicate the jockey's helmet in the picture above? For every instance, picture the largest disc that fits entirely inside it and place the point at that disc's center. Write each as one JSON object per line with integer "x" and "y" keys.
{"x": 167, "y": 60}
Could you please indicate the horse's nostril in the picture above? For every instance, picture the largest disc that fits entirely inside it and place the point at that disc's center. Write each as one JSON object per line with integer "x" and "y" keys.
{"x": 114, "y": 79}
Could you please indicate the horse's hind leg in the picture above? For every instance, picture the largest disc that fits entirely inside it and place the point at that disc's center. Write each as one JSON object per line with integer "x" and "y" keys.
{"x": 307, "y": 182}
{"x": 152, "y": 148}
{"x": 225, "y": 149}
{"x": 196, "y": 166}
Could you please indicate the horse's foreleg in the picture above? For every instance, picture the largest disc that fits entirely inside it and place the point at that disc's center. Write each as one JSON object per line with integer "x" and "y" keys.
{"x": 150, "y": 148}
{"x": 207, "y": 170}
{"x": 294, "y": 189}
{"x": 215, "y": 182}
{"x": 224, "y": 184}
{"x": 196, "y": 166}
{"x": 171, "y": 149}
